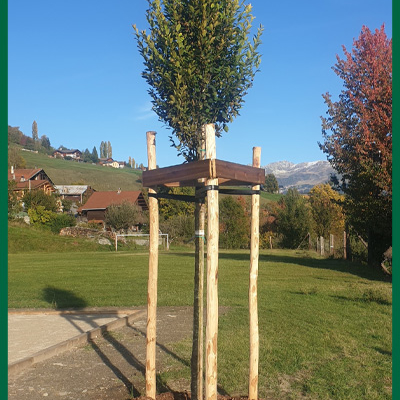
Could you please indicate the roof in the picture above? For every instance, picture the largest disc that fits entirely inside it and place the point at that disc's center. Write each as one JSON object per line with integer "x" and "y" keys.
{"x": 102, "y": 200}
{"x": 31, "y": 184}
{"x": 23, "y": 172}
{"x": 71, "y": 189}
{"x": 67, "y": 151}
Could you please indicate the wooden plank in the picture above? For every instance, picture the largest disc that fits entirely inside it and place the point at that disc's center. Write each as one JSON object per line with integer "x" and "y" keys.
{"x": 239, "y": 172}
{"x": 176, "y": 173}
{"x": 228, "y": 173}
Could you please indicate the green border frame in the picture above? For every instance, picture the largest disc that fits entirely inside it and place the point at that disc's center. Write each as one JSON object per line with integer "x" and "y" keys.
{"x": 396, "y": 199}
{"x": 3, "y": 197}
{"x": 3, "y": 206}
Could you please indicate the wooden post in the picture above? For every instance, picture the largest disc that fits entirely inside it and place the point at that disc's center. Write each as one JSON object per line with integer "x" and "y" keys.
{"x": 196, "y": 384}
{"x": 344, "y": 246}
{"x": 331, "y": 244}
{"x": 253, "y": 307}
{"x": 212, "y": 272}
{"x": 116, "y": 242}
{"x": 270, "y": 242}
{"x": 152, "y": 282}
{"x": 322, "y": 244}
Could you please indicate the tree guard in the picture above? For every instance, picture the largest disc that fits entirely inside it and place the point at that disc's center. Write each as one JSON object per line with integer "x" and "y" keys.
{"x": 207, "y": 176}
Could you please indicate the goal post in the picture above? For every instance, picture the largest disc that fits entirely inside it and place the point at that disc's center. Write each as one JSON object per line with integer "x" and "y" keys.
{"x": 163, "y": 238}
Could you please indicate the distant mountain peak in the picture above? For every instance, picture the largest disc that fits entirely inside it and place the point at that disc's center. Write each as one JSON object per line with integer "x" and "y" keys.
{"x": 302, "y": 176}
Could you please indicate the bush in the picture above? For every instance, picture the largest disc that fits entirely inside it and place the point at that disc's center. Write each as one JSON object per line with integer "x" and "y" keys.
{"x": 36, "y": 198}
{"x": 233, "y": 224}
{"x": 39, "y": 216}
{"x": 123, "y": 216}
{"x": 180, "y": 228}
{"x": 61, "y": 221}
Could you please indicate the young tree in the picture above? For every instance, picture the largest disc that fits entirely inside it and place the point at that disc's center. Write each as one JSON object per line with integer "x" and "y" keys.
{"x": 86, "y": 156}
{"x": 108, "y": 150}
{"x": 122, "y": 216}
{"x": 35, "y": 135}
{"x": 102, "y": 150}
{"x": 294, "y": 219}
{"x": 45, "y": 142}
{"x": 358, "y": 138}
{"x": 271, "y": 184}
{"x": 199, "y": 64}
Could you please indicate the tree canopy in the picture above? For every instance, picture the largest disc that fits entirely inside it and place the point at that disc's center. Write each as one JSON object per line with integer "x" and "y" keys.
{"x": 199, "y": 63}
{"x": 358, "y": 137}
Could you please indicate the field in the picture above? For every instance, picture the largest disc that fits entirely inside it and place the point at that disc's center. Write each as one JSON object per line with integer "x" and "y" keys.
{"x": 68, "y": 172}
{"x": 325, "y": 324}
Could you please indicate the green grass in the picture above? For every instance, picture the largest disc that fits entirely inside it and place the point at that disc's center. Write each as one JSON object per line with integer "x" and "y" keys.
{"x": 325, "y": 324}
{"x": 68, "y": 172}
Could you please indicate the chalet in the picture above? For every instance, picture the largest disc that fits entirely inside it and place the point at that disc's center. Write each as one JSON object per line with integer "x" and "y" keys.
{"x": 74, "y": 192}
{"x": 30, "y": 179}
{"x": 75, "y": 154}
{"x": 97, "y": 204}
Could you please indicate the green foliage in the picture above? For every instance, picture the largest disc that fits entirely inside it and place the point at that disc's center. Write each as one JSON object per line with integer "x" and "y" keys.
{"x": 180, "y": 228}
{"x": 14, "y": 158}
{"x": 39, "y": 216}
{"x": 66, "y": 204}
{"x": 61, "y": 221}
{"x": 271, "y": 184}
{"x": 326, "y": 208}
{"x": 199, "y": 63}
{"x": 294, "y": 219}
{"x": 14, "y": 205}
{"x": 122, "y": 216}
{"x": 171, "y": 208}
{"x": 36, "y": 198}
{"x": 234, "y": 224}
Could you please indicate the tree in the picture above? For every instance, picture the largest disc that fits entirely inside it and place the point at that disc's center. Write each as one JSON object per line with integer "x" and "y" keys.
{"x": 271, "y": 184}
{"x": 199, "y": 64}
{"x": 294, "y": 219}
{"x": 358, "y": 138}
{"x": 45, "y": 142}
{"x": 15, "y": 159}
{"x": 326, "y": 209}
{"x": 109, "y": 150}
{"x": 14, "y": 205}
{"x": 36, "y": 198}
{"x": 122, "y": 216}
{"x": 234, "y": 224}
{"x": 94, "y": 155}
{"x": 102, "y": 150}
{"x": 35, "y": 135}
{"x": 86, "y": 155}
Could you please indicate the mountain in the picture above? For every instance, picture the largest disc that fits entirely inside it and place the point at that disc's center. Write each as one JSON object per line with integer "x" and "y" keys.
{"x": 302, "y": 176}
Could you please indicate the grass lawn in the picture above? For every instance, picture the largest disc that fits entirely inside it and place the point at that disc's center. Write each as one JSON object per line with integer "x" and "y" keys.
{"x": 325, "y": 325}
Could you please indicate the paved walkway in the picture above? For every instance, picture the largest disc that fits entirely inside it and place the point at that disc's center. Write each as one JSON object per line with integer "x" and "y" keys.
{"x": 36, "y": 335}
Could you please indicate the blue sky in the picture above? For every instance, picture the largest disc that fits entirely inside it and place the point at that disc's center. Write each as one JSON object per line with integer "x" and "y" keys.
{"x": 73, "y": 66}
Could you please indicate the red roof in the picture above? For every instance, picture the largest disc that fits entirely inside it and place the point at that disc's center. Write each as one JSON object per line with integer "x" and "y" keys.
{"x": 102, "y": 200}
{"x": 32, "y": 184}
{"x": 26, "y": 173}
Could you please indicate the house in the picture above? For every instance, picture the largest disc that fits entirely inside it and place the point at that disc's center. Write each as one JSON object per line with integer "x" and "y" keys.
{"x": 30, "y": 179}
{"x": 75, "y": 154}
{"x": 109, "y": 162}
{"x": 95, "y": 208}
{"x": 74, "y": 192}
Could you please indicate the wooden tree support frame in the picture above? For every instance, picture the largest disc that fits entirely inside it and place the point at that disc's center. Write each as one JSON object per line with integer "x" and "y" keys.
{"x": 207, "y": 176}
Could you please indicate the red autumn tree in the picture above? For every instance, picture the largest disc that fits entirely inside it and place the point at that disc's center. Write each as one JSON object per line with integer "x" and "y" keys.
{"x": 358, "y": 137}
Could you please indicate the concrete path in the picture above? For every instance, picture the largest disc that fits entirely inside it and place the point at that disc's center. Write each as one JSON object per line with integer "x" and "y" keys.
{"x": 37, "y": 335}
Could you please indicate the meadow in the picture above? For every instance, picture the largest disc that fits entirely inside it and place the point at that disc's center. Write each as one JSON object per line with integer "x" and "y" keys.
{"x": 325, "y": 324}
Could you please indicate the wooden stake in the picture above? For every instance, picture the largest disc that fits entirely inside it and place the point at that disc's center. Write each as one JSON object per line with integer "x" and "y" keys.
{"x": 212, "y": 274}
{"x": 152, "y": 282}
{"x": 344, "y": 246}
{"x": 253, "y": 307}
{"x": 196, "y": 384}
{"x": 322, "y": 244}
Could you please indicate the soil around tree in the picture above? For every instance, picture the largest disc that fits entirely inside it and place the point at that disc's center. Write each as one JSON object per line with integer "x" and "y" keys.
{"x": 113, "y": 366}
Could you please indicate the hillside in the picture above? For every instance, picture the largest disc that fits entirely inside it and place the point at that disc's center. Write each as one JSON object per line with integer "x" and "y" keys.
{"x": 302, "y": 176}
{"x": 64, "y": 172}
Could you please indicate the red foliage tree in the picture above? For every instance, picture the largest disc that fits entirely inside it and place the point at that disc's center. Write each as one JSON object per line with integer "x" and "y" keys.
{"x": 358, "y": 137}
